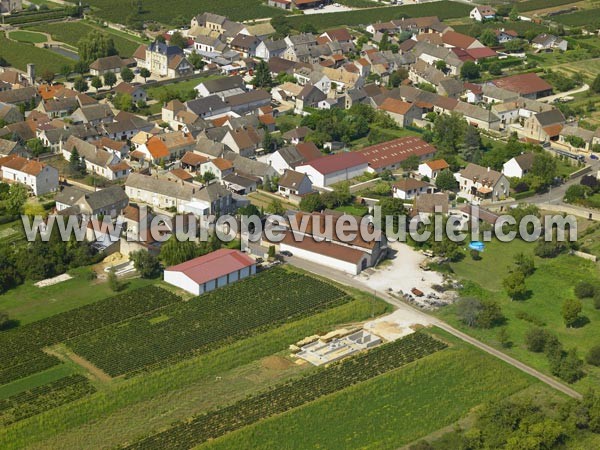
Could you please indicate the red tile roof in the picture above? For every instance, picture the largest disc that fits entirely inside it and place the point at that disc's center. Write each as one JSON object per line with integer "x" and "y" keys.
{"x": 396, "y": 151}
{"x": 213, "y": 265}
{"x": 438, "y": 164}
{"x": 337, "y": 162}
{"x": 526, "y": 83}
{"x": 308, "y": 150}
{"x": 457, "y": 39}
{"x": 395, "y": 106}
{"x": 481, "y": 53}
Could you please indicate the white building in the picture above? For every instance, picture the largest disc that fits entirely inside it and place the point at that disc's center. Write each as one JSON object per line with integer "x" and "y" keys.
{"x": 519, "y": 165}
{"x": 409, "y": 188}
{"x": 329, "y": 170}
{"x": 209, "y": 272}
{"x": 39, "y": 177}
{"x": 477, "y": 183}
{"x": 431, "y": 169}
{"x": 481, "y": 13}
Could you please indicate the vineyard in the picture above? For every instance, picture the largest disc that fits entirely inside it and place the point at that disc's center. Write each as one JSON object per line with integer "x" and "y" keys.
{"x": 213, "y": 320}
{"x": 21, "y": 349}
{"x": 293, "y": 394}
{"x": 43, "y": 398}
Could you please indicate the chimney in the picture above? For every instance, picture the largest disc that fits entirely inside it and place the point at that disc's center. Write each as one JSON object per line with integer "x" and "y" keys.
{"x": 31, "y": 73}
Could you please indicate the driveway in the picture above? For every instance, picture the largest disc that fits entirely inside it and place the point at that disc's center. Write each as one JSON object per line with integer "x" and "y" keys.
{"x": 554, "y": 97}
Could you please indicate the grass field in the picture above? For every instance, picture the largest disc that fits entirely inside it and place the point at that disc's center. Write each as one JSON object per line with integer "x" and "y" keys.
{"x": 117, "y": 11}
{"x": 19, "y": 54}
{"x": 552, "y": 283}
{"x": 589, "y": 68}
{"x": 28, "y": 303}
{"x": 532, "y": 5}
{"x": 27, "y": 36}
{"x": 71, "y": 32}
{"x": 579, "y": 18}
{"x": 443, "y": 9}
{"x": 474, "y": 29}
{"x": 128, "y": 408}
{"x": 391, "y": 410}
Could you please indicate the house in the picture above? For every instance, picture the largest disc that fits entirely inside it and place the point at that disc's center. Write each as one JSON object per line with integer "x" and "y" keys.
{"x": 326, "y": 248}
{"x": 239, "y": 184}
{"x": 528, "y": 85}
{"x": 109, "y": 202}
{"x": 482, "y": 13}
{"x": 289, "y": 157}
{"x": 12, "y": 148}
{"x": 478, "y": 117}
{"x": 428, "y": 204}
{"x": 403, "y": 113}
{"x": 39, "y": 177}
{"x": 250, "y": 168}
{"x": 163, "y": 60}
{"x": 97, "y": 160}
{"x": 192, "y": 161}
{"x": 519, "y": 165}
{"x": 93, "y": 115}
{"x": 222, "y": 87}
{"x": 245, "y": 45}
{"x": 22, "y": 96}
{"x": 119, "y": 148}
{"x": 282, "y": 4}
{"x": 477, "y": 183}
{"x": 269, "y": 48}
{"x": 137, "y": 93}
{"x": 7, "y": 6}
{"x": 248, "y": 102}
{"x": 206, "y": 107}
{"x": 331, "y": 169}
{"x": 244, "y": 141}
{"x": 453, "y": 39}
{"x": 503, "y": 35}
{"x": 167, "y": 146}
{"x": 101, "y": 66}
{"x": 294, "y": 183}
{"x": 212, "y": 271}
{"x": 389, "y": 155}
{"x": 219, "y": 167}
{"x": 310, "y": 96}
{"x": 409, "y": 188}
{"x": 431, "y": 169}
{"x": 296, "y": 135}
{"x": 576, "y": 139}
{"x": 545, "y": 126}
{"x": 546, "y": 41}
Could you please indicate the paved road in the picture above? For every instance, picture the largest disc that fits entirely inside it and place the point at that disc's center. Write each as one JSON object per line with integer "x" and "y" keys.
{"x": 551, "y": 98}
{"x": 345, "y": 279}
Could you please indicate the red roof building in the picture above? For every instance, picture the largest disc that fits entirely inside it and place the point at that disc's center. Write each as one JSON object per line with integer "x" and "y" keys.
{"x": 211, "y": 271}
{"x": 528, "y": 85}
{"x": 389, "y": 155}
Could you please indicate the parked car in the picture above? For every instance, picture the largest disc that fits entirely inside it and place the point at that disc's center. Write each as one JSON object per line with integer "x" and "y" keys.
{"x": 287, "y": 253}
{"x": 592, "y": 156}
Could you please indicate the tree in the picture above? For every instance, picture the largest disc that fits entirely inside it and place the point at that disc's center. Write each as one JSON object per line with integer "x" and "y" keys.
{"x": 176, "y": 251}
{"x": 445, "y": 181}
{"x": 113, "y": 281}
{"x": 490, "y": 314}
{"x": 262, "y": 75}
{"x": 397, "y": 77}
{"x": 48, "y": 76}
{"x": 593, "y": 356}
{"x": 535, "y": 339}
{"x": 208, "y": 176}
{"x": 81, "y": 67}
{"x": 585, "y": 289}
{"x": 4, "y": 320}
{"x": 440, "y": 64}
{"x": 488, "y": 38}
{"x": 514, "y": 14}
{"x": 576, "y": 192}
{"x": 504, "y": 338}
{"x": 65, "y": 70}
{"x": 97, "y": 83}
{"x": 80, "y": 85}
{"x": 276, "y": 207}
{"x": 495, "y": 68}
{"x": 145, "y": 263}
{"x": 271, "y": 252}
{"x": 472, "y": 144}
{"x": 96, "y": 45}
{"x": 468, "y": 310}
{"x": 178, "y": 40}
{"x": 17, "y": 196}
{"x": 36, "y": 146}
{"x": 123, "y": 102}
{"x": 311, "y": 202}
{"x": 410, "y": 163}
{"x": 196, "y": 60}
{"x": 514, "y": 285}
{"x": 470, "y": 71}
{"x": 145, "y": 73}
{"x": 110, "y": 79}
{"x": 571, "y": 309}
{"x": 525, "y": 264}
{"x": 267, "y": 142}
{"x": 127, "y": 75}
{"x": 76, "y": 163}
{"x": 596, "y": 84}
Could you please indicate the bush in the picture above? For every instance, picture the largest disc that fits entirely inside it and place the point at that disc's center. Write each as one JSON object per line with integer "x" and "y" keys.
{"x": 593, "y": 356}
{"x": 585, "y": 289}
{"x": 597, "y": 300}
{"x": 475, "y": 255}
{"x": 536, "y": 339}
{"x": 529, "y": 318}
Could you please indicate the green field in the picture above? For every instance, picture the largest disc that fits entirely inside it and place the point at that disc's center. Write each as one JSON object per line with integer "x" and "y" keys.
{"x": 391, "y": 410}
{"x": 552, "y": 283}
{"x": 19, "y": 54}
{"x": 475, "y": 29}
{"x": 71, "y": 32}
{"x": 28, "y": 36}
{"x": 125, "y": 409}
{"x": 579, "y": 18}
{"x": 532, "y": 5}
{"x": 117, "y": 11}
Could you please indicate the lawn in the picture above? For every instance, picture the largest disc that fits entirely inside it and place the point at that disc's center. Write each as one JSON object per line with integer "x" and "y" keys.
{"x": 28, "y": 36}
{"x": 386, "y": 134}
{"x": 28, "y": 303}
{"x": 391, "y": 410}
{"x": 71, "y": 32}
{"x": 443, "y": 9}
{"x": 19, "y": 54}
{"x": 154, "y": 10}
{"x": 178, "y": 86}
{"x": 552, "y": 283}
{"x": 589, "y": 68}
{"x": 129, "y": 408}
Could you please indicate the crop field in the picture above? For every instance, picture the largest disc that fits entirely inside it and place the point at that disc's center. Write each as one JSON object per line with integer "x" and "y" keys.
{"x": 43, "y": 398}
{"x": 443, "y": 9}
{"x": 117, "y": 11}
{"x": 71, "y": 32}
{"x": 295, "y": 393}
{"x": 207, "y": 322}
{"x": 27, "y": 36}
{"x": 579, "y": 18}
{"x": 519, "y": 26}
{"x": 391, "y": 410}
{"x": 19, "y": 54}
{"x": 532, "y": 5}
{"x": 20, "y": 349}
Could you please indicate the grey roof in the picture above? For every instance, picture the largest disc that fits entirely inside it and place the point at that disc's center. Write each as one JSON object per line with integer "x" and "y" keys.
{"x": 452, "y": 87}
{"x": 91, "y": 113}
{"x": 481, "y": 174}
{"x": 202, "y": 106}
{"x": 223, "y": 84}
{"x": 7, "y": 147}
{"x": 18, "y": 95}
{"x": 475, "y": 112}
{"x": 173, "y": 189}
{"x": 211, "y": 148}
{"x": 297, "y": 133}
{"x": 291, "y": 179}
{"x": 291, "y": 156}
{"x": 70, "y": 195}
{"x": 250, "y": 167}
{"x": 104, "y": 198}
{"x": 504, "y": 95}
{"x": 275, "y": 45}
{"x": 550, "y": 117}
{"x": 89, "y": 151}
{"x": 257, "y": 95}
{"x": 239, "y": 180}
{"x": 525, "y": 160}
{"x": 302, "y": 39}
{"x": 168, "y": 50}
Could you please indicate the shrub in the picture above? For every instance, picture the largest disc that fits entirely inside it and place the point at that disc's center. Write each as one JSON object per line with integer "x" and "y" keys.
{"x": 585, "y": 289}
{"x": 523, "y": 315}
{"x": 536, "y": 339}
{"x": 593, "y": 356}
{"x": 597, "y": 300}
